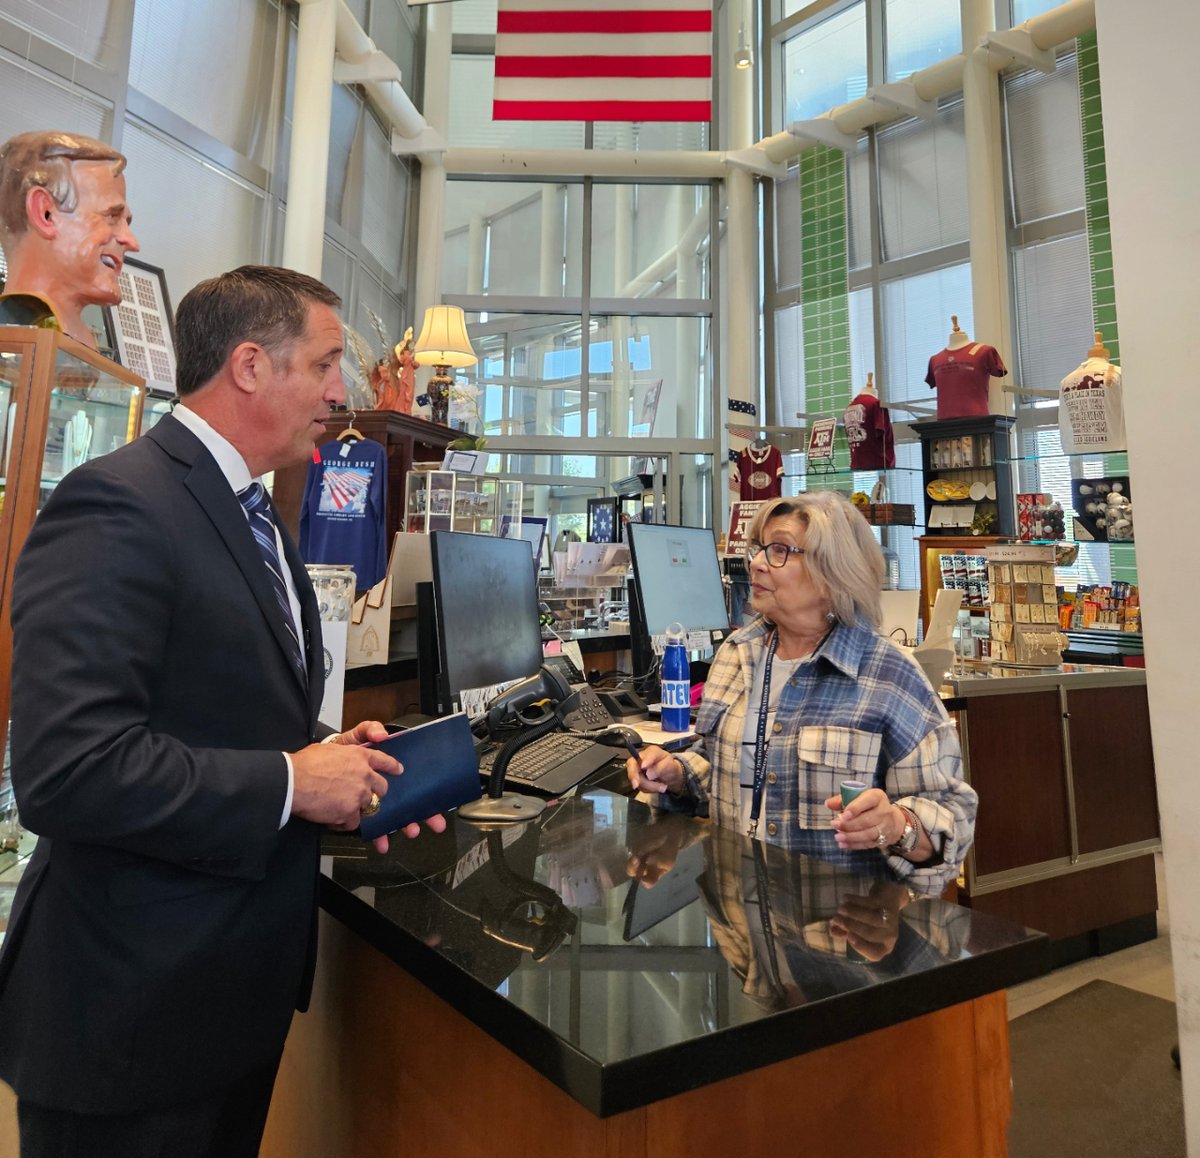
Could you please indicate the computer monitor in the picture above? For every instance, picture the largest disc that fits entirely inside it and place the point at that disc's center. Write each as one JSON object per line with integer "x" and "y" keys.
{"x": 676, "y": 579}
{"x": 483, "y": 605}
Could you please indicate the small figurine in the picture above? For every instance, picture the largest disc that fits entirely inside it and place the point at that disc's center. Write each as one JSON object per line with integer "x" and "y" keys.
{"x": 403, "y": 374}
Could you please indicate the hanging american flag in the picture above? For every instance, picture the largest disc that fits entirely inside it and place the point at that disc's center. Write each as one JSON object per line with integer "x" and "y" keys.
{"x": 737, "y": 406}
{"x": 603, "y": 60}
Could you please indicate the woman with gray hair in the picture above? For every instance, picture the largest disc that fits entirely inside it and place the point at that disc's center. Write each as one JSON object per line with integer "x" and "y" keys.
{"x": 807, "y": 695}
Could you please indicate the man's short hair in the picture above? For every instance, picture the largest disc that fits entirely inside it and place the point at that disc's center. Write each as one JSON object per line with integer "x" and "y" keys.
{"x": 43, "y": 160}
{"x": 254, "y": 303}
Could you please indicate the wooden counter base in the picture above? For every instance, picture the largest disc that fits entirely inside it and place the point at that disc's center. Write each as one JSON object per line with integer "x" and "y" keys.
{"x": 380, "y": 1066}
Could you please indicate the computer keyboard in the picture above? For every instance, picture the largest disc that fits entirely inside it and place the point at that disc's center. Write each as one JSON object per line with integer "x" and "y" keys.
{"x": 552, "y": 763}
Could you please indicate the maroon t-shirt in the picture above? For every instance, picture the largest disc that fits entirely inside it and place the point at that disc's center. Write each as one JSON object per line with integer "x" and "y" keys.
{"x": 869, "y": 433}
{"x": 759, "y": 474}
{"x": 961, "y": 379}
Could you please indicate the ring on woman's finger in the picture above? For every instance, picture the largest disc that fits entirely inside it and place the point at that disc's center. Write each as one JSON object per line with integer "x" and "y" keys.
{"x": 881, "y": 838}
{"x": 883, "y": 915}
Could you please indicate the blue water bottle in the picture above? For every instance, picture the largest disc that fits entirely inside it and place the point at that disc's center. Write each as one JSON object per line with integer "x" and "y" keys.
{"x": 676, "y": 682}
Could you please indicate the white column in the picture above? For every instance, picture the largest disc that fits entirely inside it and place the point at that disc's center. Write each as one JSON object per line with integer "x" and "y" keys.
{"x": 1147, "y": 86}
{"x": 550, "y": 254}
{"x": 620, "y": 329}
{"x": 476, "y": 239}
{"x": 985, "y": 196}
{"x": 436, "y": 110}
{"x": 308, "y": 161}
{"x": 742, "y": 375}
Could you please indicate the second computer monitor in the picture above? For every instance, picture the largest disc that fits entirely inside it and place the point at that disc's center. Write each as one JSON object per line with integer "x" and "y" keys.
{"x": 678, "y": 578}
{"x": 485, "y": 599}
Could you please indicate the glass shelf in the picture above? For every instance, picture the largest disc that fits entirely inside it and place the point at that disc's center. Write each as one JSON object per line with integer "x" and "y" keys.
{"x": 1085, "y": 454}
{"x": 850, "y": 473}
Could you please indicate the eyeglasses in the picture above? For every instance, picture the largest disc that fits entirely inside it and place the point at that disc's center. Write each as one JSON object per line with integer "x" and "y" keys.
{"x": 777, "y": 553}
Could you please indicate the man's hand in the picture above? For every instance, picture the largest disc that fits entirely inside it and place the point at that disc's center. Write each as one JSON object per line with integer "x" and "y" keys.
{"x": 334, "y": 781}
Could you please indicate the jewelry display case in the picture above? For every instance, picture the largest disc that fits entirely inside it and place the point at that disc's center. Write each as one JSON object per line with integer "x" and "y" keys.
{"x": 444, "y": 500}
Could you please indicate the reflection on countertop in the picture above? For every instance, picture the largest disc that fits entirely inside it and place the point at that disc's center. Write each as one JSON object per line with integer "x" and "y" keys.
{"x": 604, "y": 933}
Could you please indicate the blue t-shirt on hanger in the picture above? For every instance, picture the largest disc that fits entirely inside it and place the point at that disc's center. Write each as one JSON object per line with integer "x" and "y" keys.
{"x": 344, "y": 513}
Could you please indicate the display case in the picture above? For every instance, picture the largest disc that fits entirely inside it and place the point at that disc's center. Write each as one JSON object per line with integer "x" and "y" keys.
{"x": 966, "y": 466}
{"x": 934, "y": 553}
{"x": 61, "y": 404}
{"x": 443, "y": 500}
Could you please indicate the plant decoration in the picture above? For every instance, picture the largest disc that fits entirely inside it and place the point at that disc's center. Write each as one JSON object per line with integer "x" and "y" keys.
{"x": 466, "y": 400}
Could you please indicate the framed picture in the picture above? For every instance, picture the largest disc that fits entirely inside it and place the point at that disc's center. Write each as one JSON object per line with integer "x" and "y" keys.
{"x": 603, "y": 526}
{"x": 143, "y": 326}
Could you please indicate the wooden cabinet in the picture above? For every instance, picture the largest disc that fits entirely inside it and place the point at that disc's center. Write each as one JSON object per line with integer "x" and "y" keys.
{"x": 1068, "y": 816}
{"x": 61, "y": 404}
{"x": 405, "y": 439}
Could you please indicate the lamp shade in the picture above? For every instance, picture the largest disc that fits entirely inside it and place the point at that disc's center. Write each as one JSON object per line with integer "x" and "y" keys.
{"x": 443, "y": 340}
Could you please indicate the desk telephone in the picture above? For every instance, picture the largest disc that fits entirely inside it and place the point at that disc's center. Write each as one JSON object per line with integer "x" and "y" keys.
{"x": 553, "y": 761}
{"x": 579, "y": 707}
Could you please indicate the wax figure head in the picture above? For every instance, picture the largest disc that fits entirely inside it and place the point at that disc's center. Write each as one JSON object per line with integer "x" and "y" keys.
{"x": 64, "y": 223}
{"x": 832, "y": 565}
{"x": 259, "y": 353}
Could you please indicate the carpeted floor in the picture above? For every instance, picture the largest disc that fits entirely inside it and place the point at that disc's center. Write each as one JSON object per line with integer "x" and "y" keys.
{"x": 1092, "y": 1075}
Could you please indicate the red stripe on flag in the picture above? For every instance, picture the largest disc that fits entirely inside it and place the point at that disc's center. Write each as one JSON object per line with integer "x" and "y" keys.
{"x": 620, "y": 23}
{"x": 576, "y": 66}
{"x": 602, "y": 110}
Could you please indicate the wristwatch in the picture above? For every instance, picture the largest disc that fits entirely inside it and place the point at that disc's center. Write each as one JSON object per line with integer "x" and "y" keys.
{"x": 910, "y": 835}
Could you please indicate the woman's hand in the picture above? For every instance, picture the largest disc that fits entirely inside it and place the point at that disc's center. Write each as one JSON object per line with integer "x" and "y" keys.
{"x": 869, "y": 821}
{"x": 654, "y": 847}
{"x": 655, "y": 771}
{"x": 871, "y": 924}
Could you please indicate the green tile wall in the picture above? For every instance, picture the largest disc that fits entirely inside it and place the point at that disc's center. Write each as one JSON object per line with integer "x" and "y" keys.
{"x": 824, "y": 288}
{"x": 1104, "y": 302}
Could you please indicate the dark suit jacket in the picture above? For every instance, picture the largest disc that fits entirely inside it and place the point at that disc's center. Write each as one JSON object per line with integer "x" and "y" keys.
{"x": 164, "y": 930}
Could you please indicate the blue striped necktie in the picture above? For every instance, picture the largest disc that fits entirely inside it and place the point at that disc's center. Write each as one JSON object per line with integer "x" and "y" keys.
{"x": 258, "y": 510}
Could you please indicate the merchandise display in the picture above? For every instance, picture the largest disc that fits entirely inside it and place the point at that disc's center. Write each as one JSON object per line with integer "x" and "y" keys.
{"x": 1103, "y": 509}
{"x": 960, "y": 374}
{"x": 1040, "y": 517}
{"x": 1024, "y": 605}
{"x": 967, "y": 573}
{"x": 344, "y": 511}
{"x": 868, "y": 427}
{"x": 758, "y": 472}
{"x": 445, "y": 500}
{"x": 1116, "y": 607}
{"x": 1090, "y": 411}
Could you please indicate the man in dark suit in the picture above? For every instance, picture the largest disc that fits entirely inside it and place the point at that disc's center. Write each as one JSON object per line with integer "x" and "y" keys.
{"x": 164, "y": 748}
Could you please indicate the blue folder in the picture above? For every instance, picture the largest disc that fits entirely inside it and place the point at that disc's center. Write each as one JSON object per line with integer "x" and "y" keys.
{"x": 441, "y": 771}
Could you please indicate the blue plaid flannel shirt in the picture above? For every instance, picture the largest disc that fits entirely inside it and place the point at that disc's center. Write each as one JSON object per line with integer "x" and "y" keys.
{"x": 861, "y": 710}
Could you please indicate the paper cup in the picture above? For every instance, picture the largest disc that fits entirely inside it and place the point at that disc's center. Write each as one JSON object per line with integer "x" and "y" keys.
{"x": 850, "y": 789}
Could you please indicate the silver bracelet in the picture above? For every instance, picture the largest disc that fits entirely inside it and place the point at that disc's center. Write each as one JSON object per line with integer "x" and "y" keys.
{"x": 911, "y": 834}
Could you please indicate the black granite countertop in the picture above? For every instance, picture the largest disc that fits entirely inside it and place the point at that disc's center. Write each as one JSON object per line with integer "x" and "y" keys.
{"x": 629, "y": 956}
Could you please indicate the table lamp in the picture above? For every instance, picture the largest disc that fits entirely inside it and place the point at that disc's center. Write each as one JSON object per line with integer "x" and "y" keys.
{"x": 442, "y": 344}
